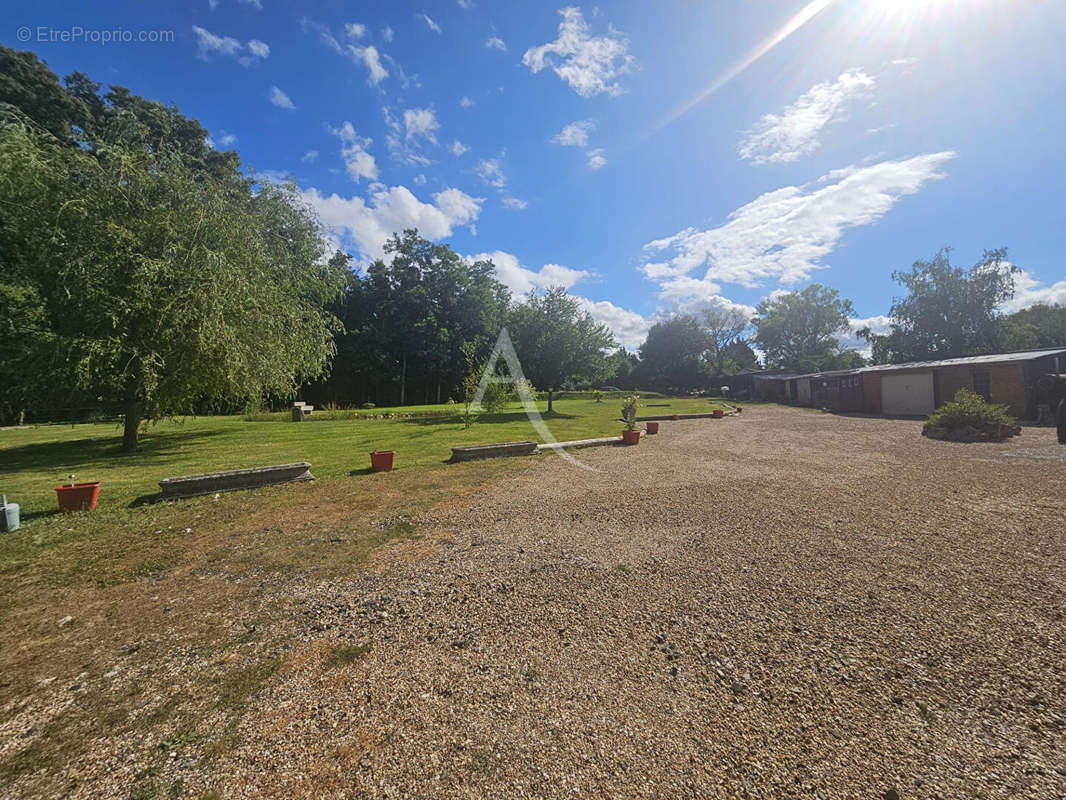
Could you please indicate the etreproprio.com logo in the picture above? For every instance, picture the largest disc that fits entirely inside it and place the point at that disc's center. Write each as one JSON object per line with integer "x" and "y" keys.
{"x": 76, "y": 34}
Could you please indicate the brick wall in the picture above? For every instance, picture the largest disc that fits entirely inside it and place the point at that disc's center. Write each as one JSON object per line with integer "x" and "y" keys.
{"x": 1006, "y": 384}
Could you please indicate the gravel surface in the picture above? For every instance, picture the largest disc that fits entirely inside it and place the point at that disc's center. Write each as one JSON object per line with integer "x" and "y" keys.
{"x": 780, "y": 604}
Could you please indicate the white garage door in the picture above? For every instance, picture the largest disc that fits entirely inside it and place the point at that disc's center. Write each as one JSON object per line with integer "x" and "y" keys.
{"x": 910, "y": 393}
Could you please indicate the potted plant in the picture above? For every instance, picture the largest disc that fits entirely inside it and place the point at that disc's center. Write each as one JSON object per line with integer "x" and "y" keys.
{"x": 718, "y": 413}
{"x": 381, "y": 460}
{"x": 629, "y": 416}
{"x": 651, "y": 427}
{"x": 78, "y": 496}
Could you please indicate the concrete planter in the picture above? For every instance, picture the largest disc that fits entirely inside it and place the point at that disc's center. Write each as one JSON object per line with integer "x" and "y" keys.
{"x": 504, "y": 450}
{"x": 232, "y": 480}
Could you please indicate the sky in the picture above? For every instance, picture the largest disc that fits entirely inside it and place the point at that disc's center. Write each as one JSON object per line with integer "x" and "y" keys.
{"x": 652, "y": 158}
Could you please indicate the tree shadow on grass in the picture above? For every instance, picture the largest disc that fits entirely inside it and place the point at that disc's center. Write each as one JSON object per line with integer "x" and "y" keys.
{"x": 50, "y": 456}
{"x": 484, "y": 419}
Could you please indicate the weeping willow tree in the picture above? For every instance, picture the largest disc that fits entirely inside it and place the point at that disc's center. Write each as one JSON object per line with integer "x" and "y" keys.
{"x": 154, "y": 284}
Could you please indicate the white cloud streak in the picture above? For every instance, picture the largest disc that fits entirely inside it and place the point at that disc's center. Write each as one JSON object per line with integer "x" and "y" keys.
{"x": 280, "y": 99}
{"x": 433, "y": 26}
{"x": 783, "y": 235}
{"x": 209, "y": 44}
{"x": 796, "y": 131}
{"x": 596, "y": 158}
{"x": 496, "y": 43}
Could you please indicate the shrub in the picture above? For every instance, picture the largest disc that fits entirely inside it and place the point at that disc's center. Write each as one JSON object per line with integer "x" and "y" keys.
{"x": 629, "y": 412}
{"x": 597, "y": 395}
{"x": 367, "y": 405}
{"x": 970, "y": 418}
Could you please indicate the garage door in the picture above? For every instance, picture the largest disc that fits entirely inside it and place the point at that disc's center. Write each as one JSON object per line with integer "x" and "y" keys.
{"x": 908, "y": 394}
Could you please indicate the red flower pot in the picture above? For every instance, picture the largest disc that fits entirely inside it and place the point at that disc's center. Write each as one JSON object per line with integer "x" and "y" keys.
{"x": 631, "y": 437}
{"x": 718, "y": 413}
{"x": 675, "y": 417}
{"x": 653, "y": 427}
{"x": 381, "y": 460}
{"x": 79, "y": 497}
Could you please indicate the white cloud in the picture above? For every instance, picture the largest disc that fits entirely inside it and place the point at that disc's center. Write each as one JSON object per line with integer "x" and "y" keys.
{"x": 850, "y": 339}
{"x": 596, "y": 158}
{"x": 590, "y": 64}
{"x": 495, "y": 43}
{"x": 458, "y": 148}
{"x": 433, "y": 26}
{"x": 419, "y": 180}
{"x": 783, "y": 235}
{"x": 310, "y": 157}
{"x": 795, "y": 132}
{"x": 576, "y": 134}
{"x": 466, "y": 3}
{"x": 521, "y": 280}
{"x": 370, "y": 57}
{"x": 209, "y": 44}
{"x": 258, "y": 49}
{"x": 628, "y": 327}
{"x": 491, "y": 173}
{"x": 280, "y": 99}
{"x": 226, "y": 139}
{"x": 1028, "y": 292}
{"x": 406, "y": 136}
{"x": 355, "y": 30}
{"x": 357, "y": 161}
{"x": 256, "y": 4}
{"x": 420, "y": 123}
{"x": 466, "y": 102}
{"x": 386, "y": 33}
{"x": 367, "y": 224}
{"x": 514, "y": 204}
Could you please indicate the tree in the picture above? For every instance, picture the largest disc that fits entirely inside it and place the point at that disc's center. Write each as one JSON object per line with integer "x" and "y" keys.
{"x": 557, "y": 342}
{"x": 408, "y": 318}
{"x": 739, "y": 356}
{"x": 948, "y": 311}
{"x": 673, "y": 354}
{"x": 160, "y": 284}
{"x": 796, "y": 330}
{"x": 725, "y": 327}
{"x": 1035, "y": 327}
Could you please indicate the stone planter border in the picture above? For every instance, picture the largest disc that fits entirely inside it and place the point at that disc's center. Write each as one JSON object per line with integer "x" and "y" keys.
{"x": 234, "y": 480}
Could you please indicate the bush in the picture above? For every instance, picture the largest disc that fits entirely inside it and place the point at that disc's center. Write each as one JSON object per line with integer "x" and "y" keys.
{"x": 367, "y": 405}
{"x": 629, "y": 412}
{"x": 970, "y": 418}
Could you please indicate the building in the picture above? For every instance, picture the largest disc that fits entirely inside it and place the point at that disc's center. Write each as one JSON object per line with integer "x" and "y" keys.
{"x": 1022, "y": 381}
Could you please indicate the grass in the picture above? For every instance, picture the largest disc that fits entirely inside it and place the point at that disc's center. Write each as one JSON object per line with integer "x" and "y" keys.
{"x": 193, "y": 572}
{"x": 36, "y": 459}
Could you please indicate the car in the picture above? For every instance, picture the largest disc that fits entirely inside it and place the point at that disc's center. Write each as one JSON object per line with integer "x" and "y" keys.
{"x": 609, "y": 389}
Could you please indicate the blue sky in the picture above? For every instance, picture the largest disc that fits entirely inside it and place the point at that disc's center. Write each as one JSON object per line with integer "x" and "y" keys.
{"x": 652, "y": 157}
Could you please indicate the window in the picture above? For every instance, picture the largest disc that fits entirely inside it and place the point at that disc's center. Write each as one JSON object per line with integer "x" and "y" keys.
{"x": 982, "y": 385}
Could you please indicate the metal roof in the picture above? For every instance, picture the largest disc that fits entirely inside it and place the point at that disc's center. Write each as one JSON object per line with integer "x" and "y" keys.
{"x": 994, "y": 358}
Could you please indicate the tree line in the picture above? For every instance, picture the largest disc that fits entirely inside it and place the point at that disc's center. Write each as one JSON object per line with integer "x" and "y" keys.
{"x": 143, "y": 274}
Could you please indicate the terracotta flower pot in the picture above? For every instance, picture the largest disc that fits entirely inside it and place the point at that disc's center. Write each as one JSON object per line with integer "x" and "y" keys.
{"x": 381, "y": 460}
{"x": 718, "y": 413}
{"x": 631, "y": 437}
{"x": 79, "y": 497}
{"x": 652, "y": 427}
{"x": 675, "y": 417}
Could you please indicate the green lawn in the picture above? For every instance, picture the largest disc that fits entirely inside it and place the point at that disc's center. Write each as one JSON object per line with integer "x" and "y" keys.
{"x": 34, "y": 459}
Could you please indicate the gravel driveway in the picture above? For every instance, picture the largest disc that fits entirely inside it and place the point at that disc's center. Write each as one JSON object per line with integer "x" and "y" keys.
{"x": 781, "y": 604}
